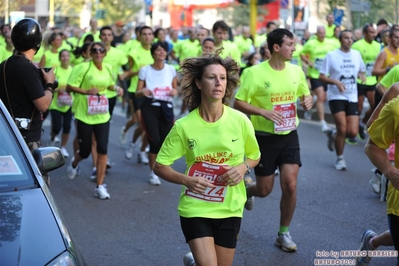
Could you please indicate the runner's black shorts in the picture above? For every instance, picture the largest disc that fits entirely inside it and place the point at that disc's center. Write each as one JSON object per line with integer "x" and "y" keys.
{"x": 315, "y": 83}
{"x": 137, "y": 102}
{"x": 224, "y": 231}
{"x": 363, "y": 89}
{"x": 350, "y": 108}
{"x": 277, "y": 150}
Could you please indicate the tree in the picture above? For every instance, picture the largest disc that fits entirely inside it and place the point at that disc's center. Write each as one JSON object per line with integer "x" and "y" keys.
{"x": 114, "y": 9}
{"x": 378, "y": 9}
{"x": 238, "y": 15}
{"x": 13, "y": 5}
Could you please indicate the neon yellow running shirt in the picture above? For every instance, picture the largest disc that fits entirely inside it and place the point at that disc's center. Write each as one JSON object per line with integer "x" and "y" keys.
{"x": 369, "y": 53}
{"x": 62, "y": 75}
{"x": 89, "y": 76}
{"x": 383, "y": 131}
{"x": 227, "y": 141}
{"x": 116, "y": 59}
{"x": 141, "y": 58}
{"x": 266, "y": 88}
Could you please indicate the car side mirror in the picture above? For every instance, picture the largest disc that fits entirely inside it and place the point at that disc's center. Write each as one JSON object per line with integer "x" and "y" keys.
{"x": 48, "y": 159}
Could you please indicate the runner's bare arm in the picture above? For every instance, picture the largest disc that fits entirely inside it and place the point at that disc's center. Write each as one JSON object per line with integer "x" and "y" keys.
{"x": 381, "y": 89}
{"x": 195, "y": 184}
{"x": 380, "y": 160}
{"x": 248, "y": 109}
{"x": 378, "y": 69}
{"x": 328, "y": 80}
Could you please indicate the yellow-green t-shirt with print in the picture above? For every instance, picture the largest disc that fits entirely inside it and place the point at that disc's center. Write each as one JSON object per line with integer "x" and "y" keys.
{"x": 134, "y": 44}
{"x": 369, "y": 53}
{"x": 243, "y": 45}
{"x": 230, "y": 50}
{"x": 335, "y": 43}
{"x": 65, "y": 46}
{"x": 296, "y": 56}
{"x": 141, "y": 57}
{"x": 330, "y": 31}
{"x": 52, "y": 59}
{"x": 4, "y": 53}
{"x": 316, "y": 51}
{"x": 2, "y": 41}
{"x": 38, "y": 56}
{"x": 259, "y": 39}
{"x": 176, "y": 47}
{"x": 188, "y": 49}
{"x": 90, "y": 76}
{"x": 391, "y": 77}
{"x": 226, "y": 141}
{"x": 62, "y": 75}
{"x": 95, "y": 36}
{"x": 116, "y": 58}
{"x": 270, "y": 89}
{"x": 74, "y": 41}
{"x": 383, "y": 131}
{"x": 124, "y": 47}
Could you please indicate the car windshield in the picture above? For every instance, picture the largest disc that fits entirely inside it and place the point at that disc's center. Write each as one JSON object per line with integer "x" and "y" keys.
{"x": 14, "y": 170}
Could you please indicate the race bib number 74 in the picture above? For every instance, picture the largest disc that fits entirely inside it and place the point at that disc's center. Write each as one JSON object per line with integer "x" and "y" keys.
{"x": 211, "y": 172}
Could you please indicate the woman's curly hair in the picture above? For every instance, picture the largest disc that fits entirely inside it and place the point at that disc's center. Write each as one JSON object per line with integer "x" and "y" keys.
{"x": 192, "y": 69}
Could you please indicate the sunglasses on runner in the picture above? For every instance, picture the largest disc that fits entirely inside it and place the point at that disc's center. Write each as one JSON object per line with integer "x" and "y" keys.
{"x": 97, "y": 50}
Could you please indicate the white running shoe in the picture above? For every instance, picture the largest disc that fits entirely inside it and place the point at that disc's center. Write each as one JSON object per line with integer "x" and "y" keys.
{"x": 122, "y": 137}
{"x": 101, "y": 192}
{"x": 154, "y": 179}
{"x": 188, "y": 259}
{"x": 308, "y": 114}
{"x": 71, "y": 172}
{"x": 129, "y": 151}
{"x": 64, "y": 152}
{"x": 340, "y": 165}
{"x": 142, "y": 157}
{"x": 324, "y": 127}
{"x": 284, "y": 241}
{"x": 375, "y": 181}
{"x": 56, "y": 140}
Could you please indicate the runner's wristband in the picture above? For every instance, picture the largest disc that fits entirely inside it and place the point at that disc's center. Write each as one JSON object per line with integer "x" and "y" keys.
{"x": 50, "y": 85}
{"x": 49, "y": 89}
{"x": 248, "y": 168}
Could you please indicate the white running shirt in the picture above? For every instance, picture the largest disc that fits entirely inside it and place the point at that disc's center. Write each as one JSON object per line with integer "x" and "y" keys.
{"x": 344, "y": 67}
{"x": 158, "y": 81}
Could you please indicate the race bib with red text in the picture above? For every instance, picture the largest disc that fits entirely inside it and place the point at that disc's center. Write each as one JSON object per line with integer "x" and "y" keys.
{"x": 212, "y": 173}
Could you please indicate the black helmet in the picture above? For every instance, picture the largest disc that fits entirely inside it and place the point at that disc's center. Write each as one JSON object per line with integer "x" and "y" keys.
{"x": 26, "y": 35}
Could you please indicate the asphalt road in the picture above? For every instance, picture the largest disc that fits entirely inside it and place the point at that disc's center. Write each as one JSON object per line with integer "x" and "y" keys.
{"x": 139, "y": 224}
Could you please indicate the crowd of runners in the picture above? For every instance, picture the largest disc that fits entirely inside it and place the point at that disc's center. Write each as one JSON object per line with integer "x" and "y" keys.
{"x": 145, "y": 69}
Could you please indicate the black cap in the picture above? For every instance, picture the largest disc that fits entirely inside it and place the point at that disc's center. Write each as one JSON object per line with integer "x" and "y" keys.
{"x": 26, "y": 35}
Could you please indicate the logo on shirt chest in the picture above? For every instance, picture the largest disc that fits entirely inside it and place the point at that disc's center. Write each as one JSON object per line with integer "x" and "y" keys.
{"x": 191, "y": 144}
{"x": 267, "y": 85}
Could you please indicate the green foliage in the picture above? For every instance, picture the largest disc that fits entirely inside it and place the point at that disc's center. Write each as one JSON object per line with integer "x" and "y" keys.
{"x": 238, "y": 15}
{"x": 378, "y": 9}
{"x": 13, "y": 5}
{"x": 114, "y": 10}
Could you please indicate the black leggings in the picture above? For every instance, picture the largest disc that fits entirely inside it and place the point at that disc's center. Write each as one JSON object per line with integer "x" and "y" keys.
{"x": 393, "y": 222}
{"x": 59, "y": 119}
{"x": 155, "y": 126}
{"x": 111, "y": 105}
{"x": 85, "y": 131}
